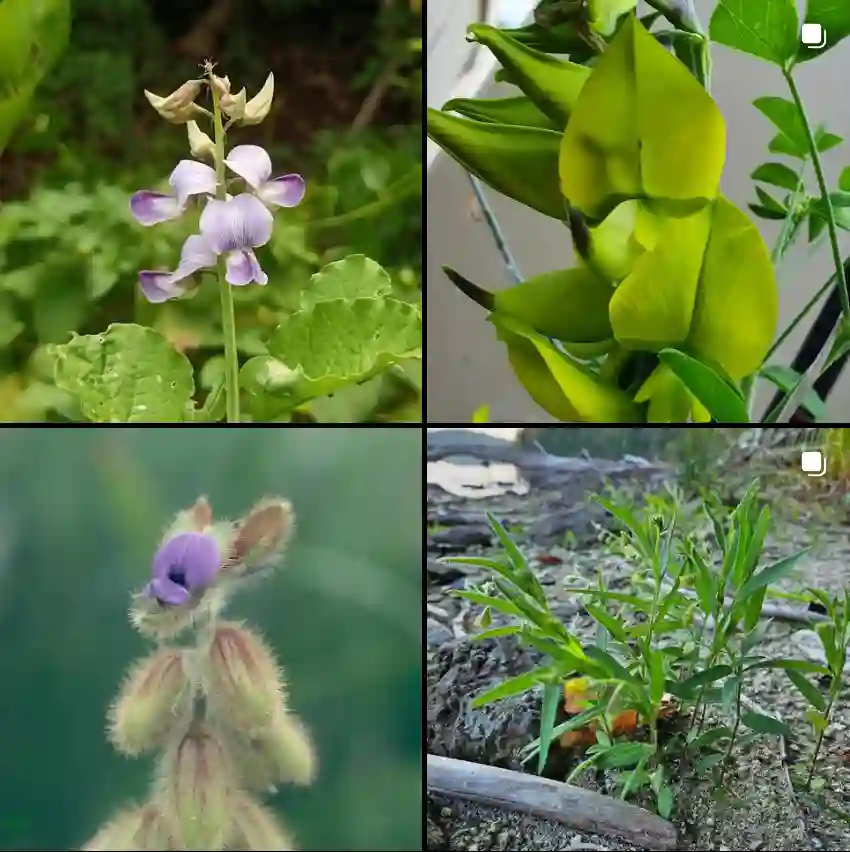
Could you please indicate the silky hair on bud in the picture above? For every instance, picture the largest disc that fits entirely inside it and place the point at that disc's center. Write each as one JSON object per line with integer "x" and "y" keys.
{"x": 262, "y": 535}
{"x": 155, "y": 699}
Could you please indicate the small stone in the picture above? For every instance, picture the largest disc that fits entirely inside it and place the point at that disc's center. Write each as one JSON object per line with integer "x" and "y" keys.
{"x": 438, "y": 634}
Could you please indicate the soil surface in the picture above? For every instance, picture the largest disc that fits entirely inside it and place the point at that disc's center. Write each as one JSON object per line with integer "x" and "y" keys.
{"x": 544, "y": 502}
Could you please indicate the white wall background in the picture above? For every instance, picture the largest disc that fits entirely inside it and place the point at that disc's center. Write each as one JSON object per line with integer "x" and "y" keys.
{"x": 466, "y": 366}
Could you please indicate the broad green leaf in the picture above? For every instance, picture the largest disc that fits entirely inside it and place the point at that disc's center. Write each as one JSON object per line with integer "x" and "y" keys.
{"x": 520, "y": 162}
{"x": 560, "y": 384}
{"x": 669, "y": 399}
{"x": 844, "y": 179}
{"x": 605, "y": 14}
{"x": 127, "y": 374}
{"x": 825, "y": 141}
{"x": 721, "y": 400}
{"x": 567, "y": 304}
{"x": 786, "y": 379}
{"x": 619, "y": 141}
{"x": 765, "y": 724}
{"x": 352, "y": 277}
{"x": 273, "y": 389}
{"x": 737, "y": 312}
{"x": 518, "y": 110}
{"x": 348, "y": 340}
{"x": 777, "y": 174}
{"x": 552, "y": 84}
{"x": 653, "y": 306}
{"x": 783, "y": 114}
{"x": 763, "y": 28}
{"x": 33, "y": 35}
{"x": 834, "y": 17}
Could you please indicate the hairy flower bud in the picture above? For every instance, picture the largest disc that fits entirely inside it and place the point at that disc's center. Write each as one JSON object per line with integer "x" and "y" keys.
{"x": 256, "y": 827}
{"x": 179, "y": 106}
{"x": 156, "y": 696}
{"x": 258, "y": 107}
{"x": 263, "y": 534}
{"x": 282, "y": 753}
{"x": 140, "y": 828}
{"x": 194, "y": 790}
{"x": 200, "y": 145}
{"x": 243, "y": 682}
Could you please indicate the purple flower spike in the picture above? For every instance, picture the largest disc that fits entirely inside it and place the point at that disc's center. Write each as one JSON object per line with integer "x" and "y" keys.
{"x": 235, "y": 228}
{"x": 188, "y": 178}
{"x": 185, "y": 564}
{"x": 159, "y": 286}
{"x": 253, "y": 165}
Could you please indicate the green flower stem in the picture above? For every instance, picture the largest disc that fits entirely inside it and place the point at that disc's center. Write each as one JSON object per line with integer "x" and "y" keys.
{"x": 841, "y": 280}
{"x": 228, "y": 319}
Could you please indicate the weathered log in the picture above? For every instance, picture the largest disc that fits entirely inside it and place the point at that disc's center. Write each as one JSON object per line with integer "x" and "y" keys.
{"x": 584, "y": 810}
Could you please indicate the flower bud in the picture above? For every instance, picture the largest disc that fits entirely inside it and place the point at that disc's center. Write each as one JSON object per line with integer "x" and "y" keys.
{"x": 200, "y": 146}
{"x": 132, "y": 828}
{"x": 256, "y": 827}
{"x": 282, "y": 753}
{"x": 234, "y": 105}
{"x": 220, "y": 85}
{"x": 179, "y": 106}
{"x": 154, "y": 699}
{"x": 243, "y": 682}
{"x": 263, "y": 534}
{"x": 194, "y": 790}
{"x": 258, "y": 107}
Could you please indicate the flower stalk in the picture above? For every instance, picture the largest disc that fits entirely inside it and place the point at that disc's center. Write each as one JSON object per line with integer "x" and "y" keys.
{"x": 228, "y": 317}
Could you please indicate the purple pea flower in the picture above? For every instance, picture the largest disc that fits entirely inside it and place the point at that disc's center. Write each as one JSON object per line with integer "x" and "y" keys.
{"x": 253, "y": 164}
{"x": 233, "y": 228}
{"x": 188, "y": 178}
{"x": 183, "y": 566}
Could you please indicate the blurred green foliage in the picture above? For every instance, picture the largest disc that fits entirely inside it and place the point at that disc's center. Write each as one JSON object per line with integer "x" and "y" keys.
{"x": 81, "y": 512}
{"x": 346, "y": 115}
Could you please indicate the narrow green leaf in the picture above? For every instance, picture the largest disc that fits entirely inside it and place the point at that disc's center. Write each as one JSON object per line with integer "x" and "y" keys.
{"x": 608, "y": 621}
{"x": 777, "y": 174}
{"x": 765, "y": 724}
{"x": 127, "y": 374}
{"x": 702, "y": 678}
{"x": 551, "y": 698}
{"x": 792, "y": 132}
{"x": 770, "y": 574}
{"x": 718, "y": 394}
{"x": 807, "y": 689}
{"x": 512, "y": 686}
{"x": 786, "y": 379}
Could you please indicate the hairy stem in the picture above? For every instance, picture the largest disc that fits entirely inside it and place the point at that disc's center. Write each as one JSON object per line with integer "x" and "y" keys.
{"x": 228, "y": 320}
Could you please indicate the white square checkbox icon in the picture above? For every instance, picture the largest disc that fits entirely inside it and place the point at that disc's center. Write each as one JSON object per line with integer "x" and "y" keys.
{"x": 812, "y": 462}
{"x": 813, "y": 35}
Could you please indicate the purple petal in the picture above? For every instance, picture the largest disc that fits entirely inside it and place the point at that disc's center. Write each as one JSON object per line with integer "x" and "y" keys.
{"x": 251, "y": 163}
{"x": 243, "y": 222}
{"x": 284, "y": 191}
{"x": 243, "y": 268}
{"x": 167, "y": 592}
{"x": 150, "y": 208}
{"x": 191, "y": 178}
{"x": 189, "y": 560}
{"x": 196, "y": 254}
{"x": 159, "y": 286}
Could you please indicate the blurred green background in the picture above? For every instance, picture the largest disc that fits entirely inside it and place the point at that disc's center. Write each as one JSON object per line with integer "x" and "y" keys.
{"x": 346, "y": 115}
{"x": 81, "y": 512}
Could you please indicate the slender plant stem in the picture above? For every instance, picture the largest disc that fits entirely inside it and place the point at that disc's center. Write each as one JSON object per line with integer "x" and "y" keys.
{"x": 228, "y": 319}
{"x": 819, "y": 743}
{"x": 841, "y": 280}
{"x": 495, "y": 230}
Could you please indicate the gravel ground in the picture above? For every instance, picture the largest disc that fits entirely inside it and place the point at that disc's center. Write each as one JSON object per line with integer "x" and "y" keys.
{"x": 564, "y": 536}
